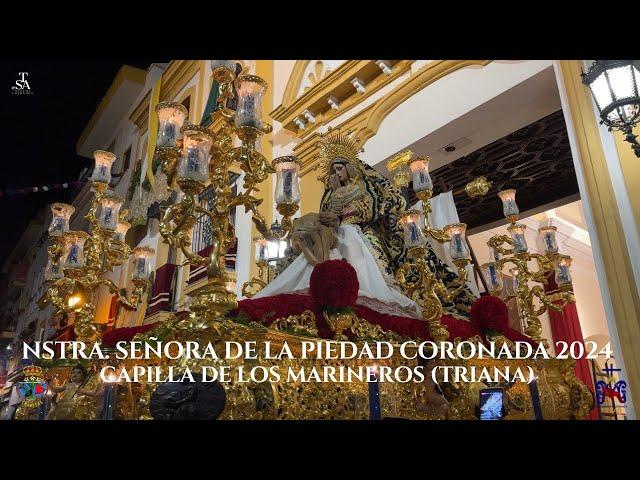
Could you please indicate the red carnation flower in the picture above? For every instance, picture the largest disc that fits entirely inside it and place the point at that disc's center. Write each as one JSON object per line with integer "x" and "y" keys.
{"x": 334, "y": 284}
{"x": 490, "y": 313}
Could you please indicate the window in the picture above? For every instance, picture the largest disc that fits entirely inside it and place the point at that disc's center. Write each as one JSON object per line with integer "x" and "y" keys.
{"x": 126, "y": 160}
{"x": 202, "y": 232}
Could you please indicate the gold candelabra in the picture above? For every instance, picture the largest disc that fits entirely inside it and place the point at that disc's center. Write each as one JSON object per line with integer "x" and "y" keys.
{"x": 415, "y": 275}
{"x": 512, "y": 249}
{"x": 78, "y": 260}
{"x": 206, "y": 155}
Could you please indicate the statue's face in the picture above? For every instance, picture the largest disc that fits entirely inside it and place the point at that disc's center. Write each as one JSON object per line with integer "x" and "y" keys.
{"x": 76, "y": 375}
{"x": 341, "y": 171}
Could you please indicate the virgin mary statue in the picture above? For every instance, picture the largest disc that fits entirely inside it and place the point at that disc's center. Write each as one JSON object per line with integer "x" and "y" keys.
{"x": 358, "y": 222}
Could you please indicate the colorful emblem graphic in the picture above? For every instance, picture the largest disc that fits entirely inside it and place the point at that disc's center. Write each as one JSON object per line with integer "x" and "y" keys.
{"x": 606, "y": 390}
{"x": 33, "y": 387}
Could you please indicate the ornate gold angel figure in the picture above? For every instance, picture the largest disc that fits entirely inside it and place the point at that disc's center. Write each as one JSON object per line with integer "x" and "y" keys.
{"x": 78, "y": 398}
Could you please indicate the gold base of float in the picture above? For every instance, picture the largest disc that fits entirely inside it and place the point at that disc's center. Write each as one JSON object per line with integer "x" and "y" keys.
{"x": 562, "y": 395}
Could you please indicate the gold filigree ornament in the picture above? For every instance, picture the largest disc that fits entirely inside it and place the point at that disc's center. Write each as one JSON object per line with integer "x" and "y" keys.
{"x": 478, "y": 187}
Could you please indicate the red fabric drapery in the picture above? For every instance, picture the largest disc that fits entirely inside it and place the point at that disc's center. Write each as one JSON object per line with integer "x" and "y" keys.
{"x": 565, "y": 327}
{"x": 161, "y": 290}
{"x": 266, "y": 310}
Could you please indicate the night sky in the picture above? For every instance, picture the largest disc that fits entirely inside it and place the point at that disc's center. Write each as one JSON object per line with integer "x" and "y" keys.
{"x": 40, "y": 132}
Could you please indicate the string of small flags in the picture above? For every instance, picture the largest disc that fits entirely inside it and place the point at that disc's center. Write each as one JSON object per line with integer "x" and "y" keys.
{"x": 10, "y": 192}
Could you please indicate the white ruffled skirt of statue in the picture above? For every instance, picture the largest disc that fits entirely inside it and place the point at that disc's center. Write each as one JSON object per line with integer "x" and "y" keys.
{"x": 374, "y": 291}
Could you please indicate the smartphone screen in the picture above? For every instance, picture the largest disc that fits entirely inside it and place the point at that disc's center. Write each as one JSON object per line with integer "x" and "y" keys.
{"x": 491, "y": 403}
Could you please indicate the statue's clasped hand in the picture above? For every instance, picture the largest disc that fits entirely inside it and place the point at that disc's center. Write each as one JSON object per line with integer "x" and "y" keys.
{"x": 329, "y": 219}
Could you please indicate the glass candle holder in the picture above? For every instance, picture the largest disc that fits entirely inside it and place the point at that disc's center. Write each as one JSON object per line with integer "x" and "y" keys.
{"x": 121, "y": 230}
{"x": 509, "y": 205}
{"x": 60, "y": 215}
{"x": 73, "y": 254}
{"x": 493, "y": 276}
{"x": 102, "y": 169}
{"x": 194, "y": 163}
{"x": 517, "y": 235}
{"x": 250, "y": 89}
{"x": 109, "y": 210}
{"x": 142, "y": 263}
{"x": 262, "y": 250}
{"x": 548, "y": 235}
{"x": 420, "y": 174}
{"x": 223, "y": 70}
{"x": 53, "y": 270}
{"x": 458, "y": 248}
{"x": 171, "y": 117}
{"x": 413, "y": 223}
{"x": 287, "y": 179}
{"x": 562, "y": 271}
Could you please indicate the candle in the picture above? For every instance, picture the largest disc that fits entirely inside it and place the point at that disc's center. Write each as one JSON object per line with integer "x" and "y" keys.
{"x": 549, "y": 239}
{"x": 72, "y": 259}
{"x": 121, "y": 230}
{"x": 167, "y": 137}
{"x": 171, "y": 117}
{"x": 562, "y": 272}
{"x": 74, "y": 250}
{"x": 192, "y": 159}
{"x": 420, "y": 174}
{"x": 287, "y": 181}
{"x": 194, "y": 162}
{"x": 108, "y": 215}
{"x": 412, "y": 222}
{"x": 262, "y": 253}
{"x": 509, "y": 206}
{"x": 414, "y": 232}
{"x": 288, "y": 184}
{"x": 458, "y": 248}
{"x": 109, "y": 210}
{"x": 103, "y": 163}
{"x": 57, "y": 226}
{"x": 53, "y": 270}
{"x": 517, "y": 235}
{"x": 250, "y": 91}
{"x": 493, "y": 276}
{"x": 141, "y": 263}
{"x": 60, "y": 214}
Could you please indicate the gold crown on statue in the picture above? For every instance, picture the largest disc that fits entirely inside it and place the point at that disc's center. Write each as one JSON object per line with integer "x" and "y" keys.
{"x": 32, "y": 371}
{"x": 337, "y": 145}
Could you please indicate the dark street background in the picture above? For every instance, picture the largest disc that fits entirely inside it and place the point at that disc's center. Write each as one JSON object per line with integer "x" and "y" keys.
{"x": 40, "y": 132}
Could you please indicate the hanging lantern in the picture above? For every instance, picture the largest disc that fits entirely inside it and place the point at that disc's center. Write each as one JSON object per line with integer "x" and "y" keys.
{"x": 614, "y": 85}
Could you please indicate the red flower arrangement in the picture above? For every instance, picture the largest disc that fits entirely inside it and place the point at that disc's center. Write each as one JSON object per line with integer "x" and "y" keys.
{"x": 334, "y": 284}
{"x": 490, "y": 313}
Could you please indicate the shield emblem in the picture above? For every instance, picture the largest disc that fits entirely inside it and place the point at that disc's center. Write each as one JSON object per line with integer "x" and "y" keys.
{"x": 31, "y": 390}
{"x": 26, "y": 389}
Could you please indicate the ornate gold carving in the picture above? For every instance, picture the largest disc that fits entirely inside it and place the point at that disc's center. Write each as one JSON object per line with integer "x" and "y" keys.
{"x": 303, "y": 324}
{"x": 102, "y": 252}
{"x": 478, "y": 187}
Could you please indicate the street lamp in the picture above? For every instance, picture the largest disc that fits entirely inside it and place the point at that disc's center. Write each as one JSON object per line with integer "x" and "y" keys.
{"x": 614, "y": 85}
